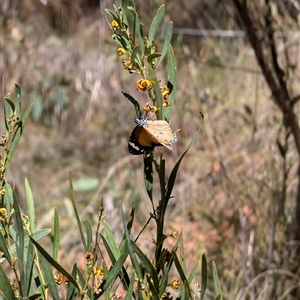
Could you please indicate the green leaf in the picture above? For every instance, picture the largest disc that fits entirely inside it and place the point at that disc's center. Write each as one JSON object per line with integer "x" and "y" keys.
{"x": 156, "y": 22}
{"x": 158, "y": 96}
{"x": 9, "y": 109}
{"x": 185, "y": 289}
{"x": 36, "y": 235}
{"x": 118, "y": 3}
{"x": 71, "y": 293}
{"x": 18, "y": 98}
{"x": 73, "y": 200}
{"x": 130, "y": 288}
{"x": 54, "y": 263}
{"x": 19, "y": 243}
{"x": 30, "y": 205}
{"x": 203, "y": 277}
{"x": 193, "y": 274}
{"x": 135, "y": 56}
{"x": 172, "y": 82}
{"x": 6, "y": 289}
{"x": 216, "y": 281}
{"x": 111, "y": 13}
{"x": 112, "y": 274}
{"x": 4, "y": 249}
{"x": 146, "y": 263}
{"x": 173, "y": 174}
{"x": 89, "y": 235}
{"x": 148, "y": 175}
{"x": 17, "y": 136}
{"x": 111, "y": 242}
{"x": 111, "y": 253}
{"x": 167, "y": 42}
{"x": 137, "y": 29}
{"x": 135, "y": 263}
{"x": 49, "y": 278}
{"x": 164, "y": 280}
{"x": 123, "y": 42}
{"x": 152, "y": 56}
{"x": 154, "y": 293}
{"x": 130, "y": 222}
{"x": 29, "y": 268}
{"x": 56, "y": 235}
{"x": 82, "y": 280}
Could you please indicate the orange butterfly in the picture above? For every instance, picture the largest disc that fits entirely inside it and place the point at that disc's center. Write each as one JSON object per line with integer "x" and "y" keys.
{"x": 149, "y": 134}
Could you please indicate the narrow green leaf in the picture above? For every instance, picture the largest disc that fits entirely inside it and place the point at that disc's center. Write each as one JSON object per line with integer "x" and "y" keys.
{"x": 18, "y": 98}
{"x": 82, "y": 280}
{"x": 111, "y": 13}
{"x": 172, "y": 82}
{"x": 165, "y": 278}
{"x": 118, "y": 3}
{"x": 148, "y": 175}
{"x": 158, "y": 97}
{"x": 5, "y": 289}
{"x": 122, "y": 41}
{"x": 167, "y": 42}
{"x": 30, "y": 205}
{"x": 56, "y": 235}
{"x": 185, "y": 290}
{"x": 73, "y": 201}
{"x": 19, "y": 242}
{"x": 182, "y": 254}
{"x": 203, "y": 276}
{"x": 134, "y": 55}
{"x": 29, "y": 269}
{"x": 35, "y": 296}
{"x": 193, "y": 273}
{"x": 130, "y": 288}
{"x": 146, "y": 263}
{"x": 89, "y": 235}
{"x": 37, "y": 280}
{"x": 124, "y": 275}
{"x": 130, "y": 222}
{"x": 109, "y": 237}
{"x": 54, "y": 263}
{"x": 154, "y": 293}
{"x": 71, "y": 292}
{"x": 18, "y": 133}
{"x": 156, "y": 22}
{"x": 8, "y": 197}
{"x": 132, "y": 255}
{"x": 112, "y": 274}
{"x": 48, "y": 276}
{"x": 36, "y": 235}
{"x": 9, "y": 108}
{"x": 173, "y": 174}
{"x": 153, "y": 56}
{"x": 4, "y": 249}
{"x": 139, "y": 291}
{"x": 216, "y": 281}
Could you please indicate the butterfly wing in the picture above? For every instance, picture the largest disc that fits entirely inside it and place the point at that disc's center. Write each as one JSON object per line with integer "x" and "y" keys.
{"x": 161, "y": 133}
{"x": 140, "y": 141}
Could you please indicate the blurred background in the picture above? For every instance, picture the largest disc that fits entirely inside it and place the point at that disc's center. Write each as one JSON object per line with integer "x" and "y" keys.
{"x": 61, "y": 54}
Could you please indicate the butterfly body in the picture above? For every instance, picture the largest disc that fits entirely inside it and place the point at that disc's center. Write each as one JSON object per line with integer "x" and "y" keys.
{"x": 148, "y": 134}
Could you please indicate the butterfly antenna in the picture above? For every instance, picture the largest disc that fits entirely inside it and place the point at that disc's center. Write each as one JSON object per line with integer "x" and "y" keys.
{"x": 138, "y": 111}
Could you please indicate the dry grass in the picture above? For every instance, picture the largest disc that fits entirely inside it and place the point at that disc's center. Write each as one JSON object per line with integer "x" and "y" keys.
{"x": 226, "y": 192}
